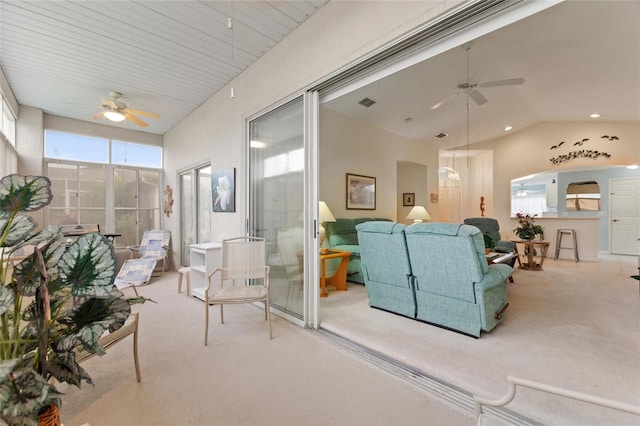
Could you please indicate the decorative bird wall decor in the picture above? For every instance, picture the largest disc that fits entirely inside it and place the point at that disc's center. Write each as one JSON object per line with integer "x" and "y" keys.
{"x": 557, "y": 146}
{"x": 584, "y": 153}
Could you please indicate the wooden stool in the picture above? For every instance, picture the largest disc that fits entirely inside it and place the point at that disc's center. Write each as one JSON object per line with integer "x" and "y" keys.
{"x": 572, "y": 233}
{"x": 187, "y": 272}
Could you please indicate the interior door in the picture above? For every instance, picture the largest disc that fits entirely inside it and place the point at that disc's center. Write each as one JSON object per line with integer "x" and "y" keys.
{"x": 625, "y": 216}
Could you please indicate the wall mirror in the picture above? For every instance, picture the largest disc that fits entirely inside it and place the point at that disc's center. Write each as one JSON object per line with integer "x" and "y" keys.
{"x": 583, "y": 196}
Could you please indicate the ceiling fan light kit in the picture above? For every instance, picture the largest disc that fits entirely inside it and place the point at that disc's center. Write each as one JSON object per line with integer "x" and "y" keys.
{"x": 114, "y": 116}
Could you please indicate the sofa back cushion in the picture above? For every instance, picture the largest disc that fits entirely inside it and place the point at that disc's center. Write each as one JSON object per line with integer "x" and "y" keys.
{"x": 343, "y": 231}
{"x": 383, "y": 253}
{"x": 486, "y": 225}
{"x": 446, "y": 258}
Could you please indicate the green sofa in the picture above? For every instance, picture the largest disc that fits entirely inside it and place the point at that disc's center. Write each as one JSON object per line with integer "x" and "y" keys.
{"x": 342, "y": 235}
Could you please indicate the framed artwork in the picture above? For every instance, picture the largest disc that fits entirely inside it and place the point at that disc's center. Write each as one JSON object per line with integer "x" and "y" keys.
{"x": 361, "y": 192}
{"x": 434, "y": 197}
{"x": 223, "y": 190}
{"x": 409, "y": 199}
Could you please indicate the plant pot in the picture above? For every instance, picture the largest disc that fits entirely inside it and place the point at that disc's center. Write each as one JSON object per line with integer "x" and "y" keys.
{"x": 50, "y": 416}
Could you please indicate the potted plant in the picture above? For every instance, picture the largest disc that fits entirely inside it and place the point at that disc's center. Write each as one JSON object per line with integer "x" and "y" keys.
{"x": 54, "y": 302}
{"x": 489, "y": 243}
{"x": 527, "y": 229}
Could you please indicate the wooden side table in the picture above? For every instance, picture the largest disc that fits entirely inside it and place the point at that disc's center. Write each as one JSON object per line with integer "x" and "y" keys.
{"x": 529, "y": 248}
{"x": 339, "y": 278}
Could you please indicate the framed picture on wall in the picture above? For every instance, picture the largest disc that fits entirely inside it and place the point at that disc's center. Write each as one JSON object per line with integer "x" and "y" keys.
{"x": 361, "y": 192}
{"x": 223, "y": 190}
{"x": 409, "y": 199}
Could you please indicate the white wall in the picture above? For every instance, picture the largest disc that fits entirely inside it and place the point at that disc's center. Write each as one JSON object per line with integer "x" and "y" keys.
{"x": 412, "y": 178}
{"x": 528, "y": 151}
{"x": 334, "y": 37}
{"x": 351, "y": 146}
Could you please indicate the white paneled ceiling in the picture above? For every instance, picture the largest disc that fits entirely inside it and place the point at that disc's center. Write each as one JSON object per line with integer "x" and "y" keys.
{"x": 163, "y": 56}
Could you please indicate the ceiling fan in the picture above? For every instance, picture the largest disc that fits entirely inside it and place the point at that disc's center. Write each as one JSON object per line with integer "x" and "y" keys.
{"x": 116, "y": 110}
{"x": 470, "y": 85}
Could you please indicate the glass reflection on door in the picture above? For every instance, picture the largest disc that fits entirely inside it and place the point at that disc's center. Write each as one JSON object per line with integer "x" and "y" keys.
{"x": 276, "y": 199}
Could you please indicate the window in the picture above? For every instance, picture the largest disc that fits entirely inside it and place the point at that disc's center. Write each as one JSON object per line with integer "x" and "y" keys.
{"x": 137, "y": 203}
{"x": 134, "y": 154}
{"x": 79, "y": 194}
{"x": 93, "y": 181}
{"x": 8, "y": 127}
{"x": 67, "y": 146}
{"x": 8, "y": 155}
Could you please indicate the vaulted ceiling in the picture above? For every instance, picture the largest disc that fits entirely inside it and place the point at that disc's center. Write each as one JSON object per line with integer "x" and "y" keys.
{"x": 576, "y": 58}
{"x": 167, "y": 57}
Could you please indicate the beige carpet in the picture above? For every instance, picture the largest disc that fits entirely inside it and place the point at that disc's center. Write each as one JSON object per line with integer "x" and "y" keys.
{"x": 573, "y": 325}
{"x": 242, "y": 377}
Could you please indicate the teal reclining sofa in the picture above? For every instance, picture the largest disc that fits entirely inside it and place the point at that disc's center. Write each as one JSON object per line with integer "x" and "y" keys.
{"x": 342, "y": 235}
{"x": 433, "y": 272}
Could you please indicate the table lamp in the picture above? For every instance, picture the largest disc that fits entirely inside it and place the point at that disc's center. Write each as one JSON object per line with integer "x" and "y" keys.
{"x": 418, "y": 214}
{"x": 324, "y": 215}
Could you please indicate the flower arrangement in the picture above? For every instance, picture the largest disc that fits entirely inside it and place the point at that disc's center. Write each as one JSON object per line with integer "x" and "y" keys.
{"x": 527, "y": 229}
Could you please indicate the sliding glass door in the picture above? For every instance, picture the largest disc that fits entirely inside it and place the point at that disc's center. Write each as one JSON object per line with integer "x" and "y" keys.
{"x": 276, "y": 200}
{"x": 195, "y": 209}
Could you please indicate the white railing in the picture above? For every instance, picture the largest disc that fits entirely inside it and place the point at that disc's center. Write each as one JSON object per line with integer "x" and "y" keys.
{"x": 479, "y": 402}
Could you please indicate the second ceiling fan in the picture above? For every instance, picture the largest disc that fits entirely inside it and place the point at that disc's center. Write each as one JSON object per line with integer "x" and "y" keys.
{"x": 470, "y": 85}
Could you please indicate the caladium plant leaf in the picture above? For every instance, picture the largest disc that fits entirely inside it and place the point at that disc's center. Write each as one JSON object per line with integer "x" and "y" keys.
{"x": 24, "y": 193}
{"x": 6, "y": 299}
{"x": 89, "y": 266}
{"x": 18, "y": 229}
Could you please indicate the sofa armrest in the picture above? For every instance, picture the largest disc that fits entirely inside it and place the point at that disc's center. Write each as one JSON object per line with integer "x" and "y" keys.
{"x": 494, "y": 276}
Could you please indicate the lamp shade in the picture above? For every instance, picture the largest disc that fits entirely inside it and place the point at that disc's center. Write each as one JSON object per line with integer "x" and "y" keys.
{"x": 324, "y": 214}
{"x": 418, "y": 214}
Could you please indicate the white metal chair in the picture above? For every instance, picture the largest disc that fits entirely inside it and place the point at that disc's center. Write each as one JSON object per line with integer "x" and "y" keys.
{"x": 243, "y": 262}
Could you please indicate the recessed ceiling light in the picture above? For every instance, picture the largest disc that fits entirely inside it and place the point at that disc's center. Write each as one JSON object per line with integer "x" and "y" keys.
{"x": 506, "y": 129}
{"x": 257, "y": 144}
{"x": 595, "y": 115}
{"x": 632, "y": 166}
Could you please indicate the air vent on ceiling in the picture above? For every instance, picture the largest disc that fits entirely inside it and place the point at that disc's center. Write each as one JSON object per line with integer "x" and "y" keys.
{"x": 366, "y": 102}
{"x": 442, "y": 135}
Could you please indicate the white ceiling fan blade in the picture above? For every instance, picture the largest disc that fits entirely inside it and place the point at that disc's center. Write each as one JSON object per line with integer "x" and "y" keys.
{"x": 143, "y": 113}
{"x": 444, "y": 101}
{"x": 506, "y": 82}
{"x": 477, "y": 97}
